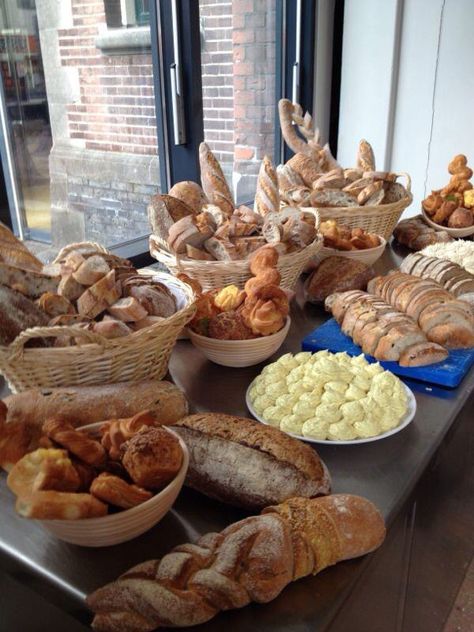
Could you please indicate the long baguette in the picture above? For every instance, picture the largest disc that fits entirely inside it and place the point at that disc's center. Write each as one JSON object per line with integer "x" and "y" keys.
{"x": 251, "y": 560}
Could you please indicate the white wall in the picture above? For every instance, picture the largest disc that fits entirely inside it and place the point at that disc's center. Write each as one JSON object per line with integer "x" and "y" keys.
{"x": 399, "y": 93}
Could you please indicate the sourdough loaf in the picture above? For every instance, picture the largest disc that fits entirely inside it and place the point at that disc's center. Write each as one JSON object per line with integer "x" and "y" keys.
{"x": 336, "y": 274}
{"x": 29, "y": 282}
{"x": 244, "y": 463}
{"x": 18, "y": 313}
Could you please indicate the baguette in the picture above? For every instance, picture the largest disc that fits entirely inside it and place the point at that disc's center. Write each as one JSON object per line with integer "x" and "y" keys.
{"x": 241, "y": 462}
{"x": 15, "y": 253}
{"x": 267, "y": 199}
{"x": 28, "y": 282}
{"x": 251, "y": 560}
{"x": 24, "y": 413}
{"x": 213, "y": 181}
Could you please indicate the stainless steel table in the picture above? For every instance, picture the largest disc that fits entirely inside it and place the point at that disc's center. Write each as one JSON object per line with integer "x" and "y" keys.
{"x": 384, "y": 471}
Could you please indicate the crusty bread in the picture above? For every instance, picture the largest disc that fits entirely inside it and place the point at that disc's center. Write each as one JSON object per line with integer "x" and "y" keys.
{"x": 397, "y": 340}
{"x": 452, "y": 336}
{"x": 213, "y": 181}
{"x": 267, "y": 198}
{"x": 422, "y": 353}
{"x": 191, "y": 194}
{"x": 365, "y": 156}
{"x": 29, "y": 282}
{"x": 305, "y": 167}
{"x": 15, "y": 253}
{"x": 164, "y": 211}
{"x": 248, "y": 464}
{"x": 91, "y": 270}
{"x": 18, "y": 313}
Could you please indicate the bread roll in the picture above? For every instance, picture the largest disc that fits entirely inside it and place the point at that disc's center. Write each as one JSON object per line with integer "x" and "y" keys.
{"x": 244, "y": 463}
{"x": 191, "y": 194}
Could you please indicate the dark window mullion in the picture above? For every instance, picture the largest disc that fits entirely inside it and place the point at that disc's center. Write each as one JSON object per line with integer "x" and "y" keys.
{"x": 177, "y": 162}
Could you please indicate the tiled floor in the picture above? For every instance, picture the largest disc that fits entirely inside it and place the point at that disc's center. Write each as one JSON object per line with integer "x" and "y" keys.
{"x": 461, "y": 618}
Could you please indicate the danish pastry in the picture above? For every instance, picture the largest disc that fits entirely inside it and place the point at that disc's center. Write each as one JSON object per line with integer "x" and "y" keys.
{"x": 152, "y": 457}
{"x": 85, "y": 448}
{"x": 43, "y": 469}
{"x": 116, "y": 431}
{"x": 53, "y": 505}
{"x": 115, "y": 491}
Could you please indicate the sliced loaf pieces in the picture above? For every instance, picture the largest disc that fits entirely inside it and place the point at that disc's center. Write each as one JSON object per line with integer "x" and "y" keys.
{"x": 450, "y": 275}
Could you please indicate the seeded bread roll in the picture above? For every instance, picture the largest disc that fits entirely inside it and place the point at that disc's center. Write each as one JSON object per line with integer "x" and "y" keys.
{"x": 244, "y": 463}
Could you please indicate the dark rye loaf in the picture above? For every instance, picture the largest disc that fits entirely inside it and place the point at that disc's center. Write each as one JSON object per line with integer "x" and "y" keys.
{"x": 244, "y": 463}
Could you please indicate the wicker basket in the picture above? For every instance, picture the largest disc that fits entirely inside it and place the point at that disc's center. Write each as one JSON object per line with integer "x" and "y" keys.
{"x": 141, "y": 355}
{"x": 217, "y": 274}
{"x": 367, "y": 256}
{"x": 380, "y": 219}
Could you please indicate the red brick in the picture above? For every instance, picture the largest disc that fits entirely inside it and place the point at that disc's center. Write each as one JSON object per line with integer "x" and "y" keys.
{"x": 243, "y": 37}
{"x": 244, "y": 68}
{"x": 243, "y": 153}
{"x": 242, "y": 97}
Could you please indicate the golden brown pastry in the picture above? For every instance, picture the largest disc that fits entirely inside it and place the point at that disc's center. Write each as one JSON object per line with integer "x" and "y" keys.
{"x": 229, "y": 298}
{"x": 43, "y": 469}
{"x": 116, "y": 431}
{"x": 53, "y": 505}
{"x": 444, "y": 211}
{"x": 265, "y": 311}
{"x": 85, "y": 448}
{"x": 152, "y": 457}
{"x": 270, "y": 276}
{"x": 264, "y": 258}
{"x": 115, "y": 491}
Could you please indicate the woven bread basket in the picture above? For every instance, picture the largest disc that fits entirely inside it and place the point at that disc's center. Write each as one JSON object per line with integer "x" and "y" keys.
{"x": 380, "y": 219}
{"x": 217, "y": 274}
{"x": 141, "y": 355}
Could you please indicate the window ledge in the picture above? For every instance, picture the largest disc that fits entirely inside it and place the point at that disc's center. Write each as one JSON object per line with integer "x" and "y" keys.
{"x": 122, "y": 40}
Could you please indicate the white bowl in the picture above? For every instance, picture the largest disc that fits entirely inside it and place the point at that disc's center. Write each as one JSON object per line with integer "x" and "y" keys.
{"x": 239, "y": 353}
{"x": 123, "y": 525}
{"x": 367, "y": 256}
{"x": 454, "y": 232}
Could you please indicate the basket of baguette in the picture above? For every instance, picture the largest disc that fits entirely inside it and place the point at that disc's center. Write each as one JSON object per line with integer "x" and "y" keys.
{"x": 359, "y": 197}
{"x": 200, "y": 232}
{"x": 87, "y": 318}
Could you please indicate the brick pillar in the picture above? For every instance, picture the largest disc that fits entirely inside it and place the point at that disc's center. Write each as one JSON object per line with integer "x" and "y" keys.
{"x": 253, "y": 47}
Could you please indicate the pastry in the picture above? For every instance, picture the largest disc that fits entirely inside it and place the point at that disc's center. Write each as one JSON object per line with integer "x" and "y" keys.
{"x": 229, "y": 298}
{"x": 265, "y": 310}
{"x": 115, "y": 491}
{"x": 251, "y": 560}
{"x": 152, "y": 457}
{"x": 241, "y": 462}
{"x": 85, "y": 448}
{"x": 229, "y": 325}
{"x": 116, "y": 431}
{"x": 267, "y": 199}
{"x": 41, "y": 470}
{"x": 53, "y": 505}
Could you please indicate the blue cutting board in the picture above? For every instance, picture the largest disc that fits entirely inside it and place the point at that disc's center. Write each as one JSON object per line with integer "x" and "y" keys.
{"x": 448, "y": 373}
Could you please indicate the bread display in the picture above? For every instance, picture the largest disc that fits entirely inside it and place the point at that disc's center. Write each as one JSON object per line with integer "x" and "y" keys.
{"x": 451, "y": 326}
{"x": 214, "y": 229}
{"x": 453, "y": 205}
{"x": 14, "y": 252}
{"x": 260, "y": 309}
{"x": 459, "y": 251}
{"x": 17, "y": 313}
{"x": 22, "y": 416}
{"x": 72, "y": 478}
{"x": 328, "y": 396}
{"x": 244, "y": 463}
{"x": 416, "y": 234}
{"x": 382, "y": 331}
{"x": 341, "y": 237}
{"x": 336, "y": 274}
{"x": 313, "y": 177}
{"x": 251, "y": 560}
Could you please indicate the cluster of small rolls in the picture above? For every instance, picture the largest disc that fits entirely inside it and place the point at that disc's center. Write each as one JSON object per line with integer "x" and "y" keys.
{"x": 260, "y": 309}
{"x": 78, "y": 474}
{"x": 329, "y": 396}
{"x": 453, "y": 205}
{"x": 342, "y": 237}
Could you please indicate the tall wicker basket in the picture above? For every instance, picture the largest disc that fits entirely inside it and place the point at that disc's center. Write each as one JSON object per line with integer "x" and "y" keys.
{"x": 217, "y": 274}
{"x": 141, "y": 355}
{"x": 380, "y": 219}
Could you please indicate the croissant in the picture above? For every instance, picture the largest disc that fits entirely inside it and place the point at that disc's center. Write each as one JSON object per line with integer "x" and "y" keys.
{"x": 85, "y": 448}
{"x": 43, "y": 469}
{"x": 115, "y": 491}
{"x": 116, "y": 431}
{"x": 251, "y": 560}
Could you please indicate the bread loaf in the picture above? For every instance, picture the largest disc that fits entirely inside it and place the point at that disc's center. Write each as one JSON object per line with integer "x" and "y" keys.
{"x": 15, "y": 253}
{"x": 416, "y": 234}
{"x": 191, "y": 194}
{"x": 244, "y": 463}
{"x": 18, "y": 313}
{"x": 267, "y": 199}
{"x": 28, "y": 282}
{"x": 251, "y": 560}
{"x": 336, "y": 274}
{"x": 22, "y": 415}
{"x": 213, "y": 181}
{"x": 164, "y": 211}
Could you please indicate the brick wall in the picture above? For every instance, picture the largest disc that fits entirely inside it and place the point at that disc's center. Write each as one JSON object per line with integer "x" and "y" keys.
{"x": 115, "y": 111}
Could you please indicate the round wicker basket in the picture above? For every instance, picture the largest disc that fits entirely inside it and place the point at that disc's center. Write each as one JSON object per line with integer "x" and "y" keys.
{"x": 217, "y": 274}
{"x": 141, "y": 355}
{"x": 380, "y": 219}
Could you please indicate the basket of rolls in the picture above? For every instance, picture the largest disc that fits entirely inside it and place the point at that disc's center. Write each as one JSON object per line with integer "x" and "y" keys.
{"x": 242, "y": 327}
{"x": 452, "y": 208}
{"x": 359, "y": 197}
{"x": 101, "y": 484}
{"x": 200, "y": 232}
{"x": 351, "y": 243}
{"x": 87, "y": 318}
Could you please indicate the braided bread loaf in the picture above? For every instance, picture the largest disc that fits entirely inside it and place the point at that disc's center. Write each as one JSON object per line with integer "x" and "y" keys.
{"x": 251, "y": 560}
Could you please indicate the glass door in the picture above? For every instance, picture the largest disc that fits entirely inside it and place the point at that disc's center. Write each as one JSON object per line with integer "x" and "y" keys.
{"x": 25, "y": 113}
